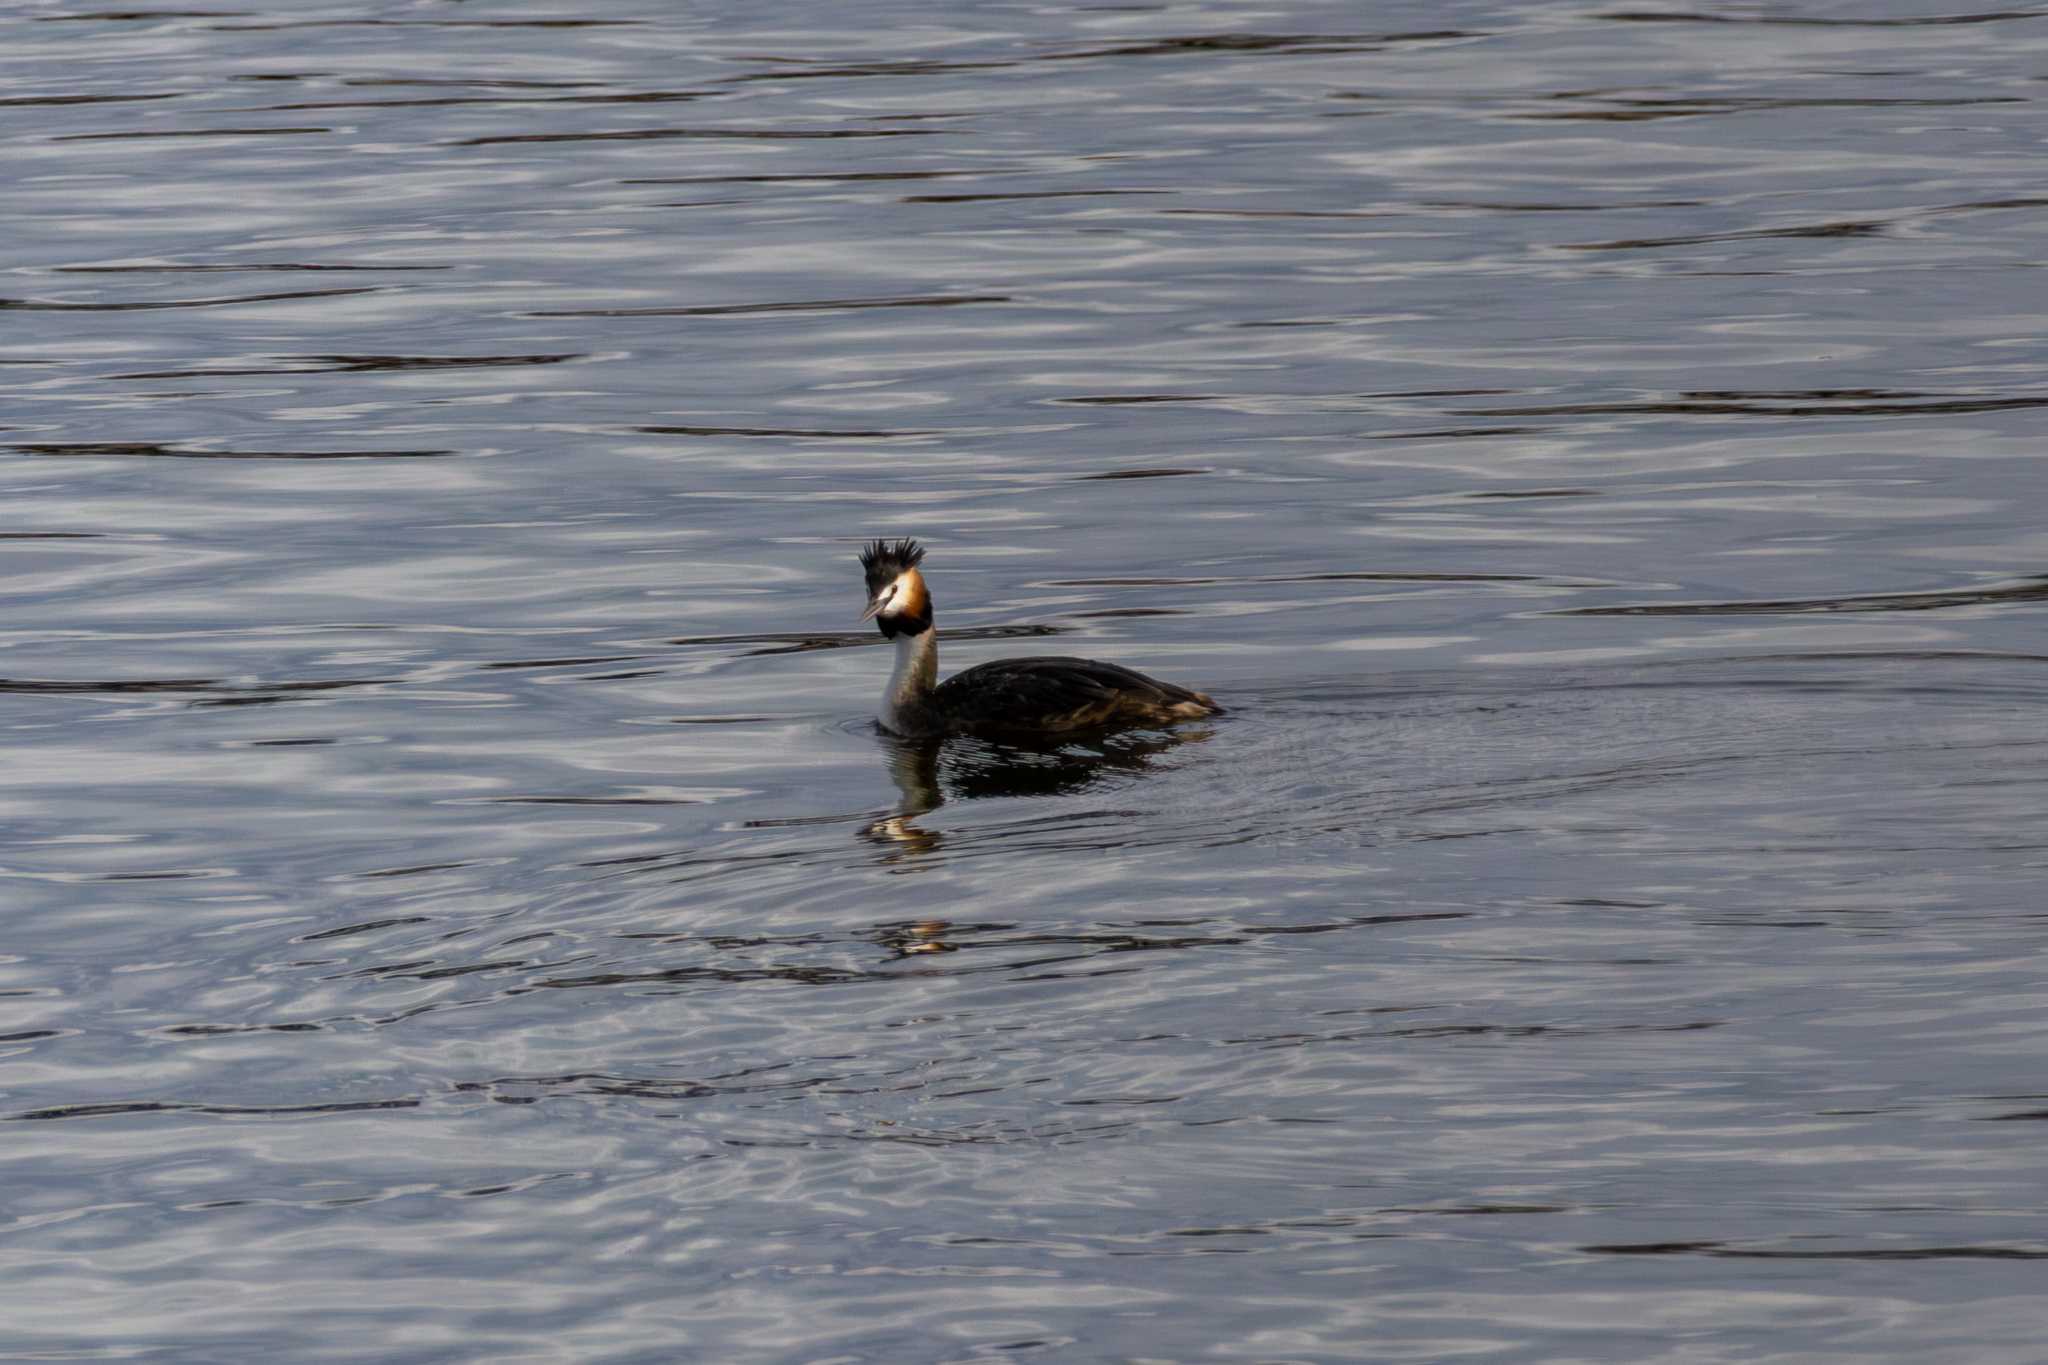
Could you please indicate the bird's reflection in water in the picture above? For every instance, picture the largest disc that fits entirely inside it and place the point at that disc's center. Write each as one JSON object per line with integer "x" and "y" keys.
{"x": 916, "y": 937}
{"x": 928, "y": 772}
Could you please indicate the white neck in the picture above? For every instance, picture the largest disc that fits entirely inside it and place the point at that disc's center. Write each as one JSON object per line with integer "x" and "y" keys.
{"x": 916, "y": 674}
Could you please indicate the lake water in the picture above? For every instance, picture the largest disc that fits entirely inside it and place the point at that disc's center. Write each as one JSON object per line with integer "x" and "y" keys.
{"x": 459, "y": 907}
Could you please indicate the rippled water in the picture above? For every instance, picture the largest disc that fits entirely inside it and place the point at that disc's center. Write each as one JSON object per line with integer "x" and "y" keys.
{"x": 459, "y": 906}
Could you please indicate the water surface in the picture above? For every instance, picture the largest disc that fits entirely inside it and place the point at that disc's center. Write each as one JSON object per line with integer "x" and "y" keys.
{"x": 460, "y": 907}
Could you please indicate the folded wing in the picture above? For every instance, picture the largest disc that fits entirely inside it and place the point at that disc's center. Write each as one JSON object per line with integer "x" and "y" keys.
{"x": 1052, "y": 692}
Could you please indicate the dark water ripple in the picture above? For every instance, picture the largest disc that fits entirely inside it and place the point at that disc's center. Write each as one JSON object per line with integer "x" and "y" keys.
{"x": 461, "y": 910}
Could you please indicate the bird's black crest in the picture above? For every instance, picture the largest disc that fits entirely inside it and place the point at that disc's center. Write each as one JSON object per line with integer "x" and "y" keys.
{"x": 882, "y": 561}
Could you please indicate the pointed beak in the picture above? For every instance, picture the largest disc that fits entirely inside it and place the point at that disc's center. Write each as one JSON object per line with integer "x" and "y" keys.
{"x": 874, "y": 607}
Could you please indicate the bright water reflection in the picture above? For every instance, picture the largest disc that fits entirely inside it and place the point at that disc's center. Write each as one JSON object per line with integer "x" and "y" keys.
{"x": 460, "y": 908}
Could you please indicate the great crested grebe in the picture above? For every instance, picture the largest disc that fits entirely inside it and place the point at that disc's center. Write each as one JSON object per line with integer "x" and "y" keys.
{"x": 1041, "y": 695}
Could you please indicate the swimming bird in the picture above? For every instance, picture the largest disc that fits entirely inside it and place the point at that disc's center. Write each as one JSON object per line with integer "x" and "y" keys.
{"x": 1040, "y": 695}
